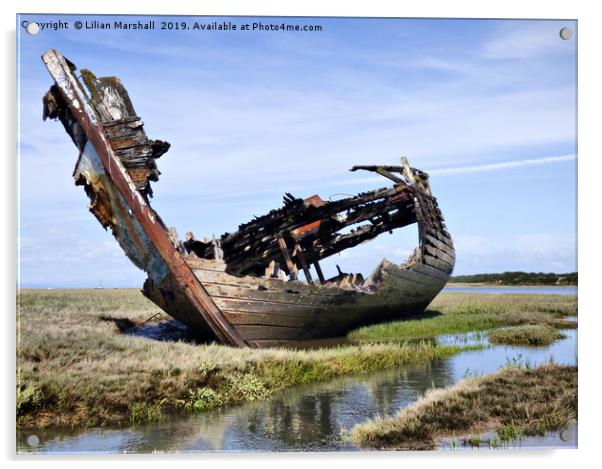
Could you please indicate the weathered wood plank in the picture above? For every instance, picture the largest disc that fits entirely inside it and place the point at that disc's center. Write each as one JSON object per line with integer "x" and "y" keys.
{"x": 270, "y": 343}
{"x": 290, "y": 265}
{"x": 341, "y": 320}
{"x": 400, "y": 293}
{"x": 135, "y": 155}
{"x": 333, "y": 311}
{"x": 431, "y": 271}
{"x": 441, "y": 237}
{"x": 441, "y": 246}
{"x": 238, "y": 318}
{"x": 222, "y": 278}
{"x": 277, "y": 296}
{"x": 319, "y": 272}
{"x": 438, "y": 264}
{"x": 254, "y": 332}
{"x": 440, "y": 255}
{"x": 128, "y": 141}
{"x": 206, "y": 264}
{"x": 255, "y": 306}
{"x": 419, "y": 278}
{"x": 128, "y": 127}
{"x": 304, "y": 265}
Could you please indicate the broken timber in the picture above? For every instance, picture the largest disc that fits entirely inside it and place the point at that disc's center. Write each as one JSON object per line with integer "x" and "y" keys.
{"x": 242, "y": 288}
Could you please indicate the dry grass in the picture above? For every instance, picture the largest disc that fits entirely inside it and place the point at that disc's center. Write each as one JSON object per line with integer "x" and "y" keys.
{"x": 453, "y": 313}
{"x": 75, "y": 368}
{"x": 526, "y": 401}
{"x": 535, "y": 335}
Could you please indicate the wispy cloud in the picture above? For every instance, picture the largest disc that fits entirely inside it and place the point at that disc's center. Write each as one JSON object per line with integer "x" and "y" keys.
{"x": 481, "y": 168}
{"x": 527, "y": 39}
{"x": 503, "y": 165}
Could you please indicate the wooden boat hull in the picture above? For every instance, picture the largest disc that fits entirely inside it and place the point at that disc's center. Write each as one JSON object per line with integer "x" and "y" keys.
{"x": 115, "y": 165}
{"x": 270, "y": 312}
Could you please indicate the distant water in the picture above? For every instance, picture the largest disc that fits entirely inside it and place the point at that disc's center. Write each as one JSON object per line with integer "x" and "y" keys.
{"x": 552, "y": 290}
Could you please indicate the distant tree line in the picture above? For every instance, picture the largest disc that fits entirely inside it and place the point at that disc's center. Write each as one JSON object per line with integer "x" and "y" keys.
{"x": 519, "y": 278}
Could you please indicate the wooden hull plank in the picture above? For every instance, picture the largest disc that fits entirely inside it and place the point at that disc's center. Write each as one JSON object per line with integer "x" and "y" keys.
{"x": 438, "y": 264}
{"x": 441, "y": 246}
{"x": 432, "y": 272}
{"x": 438, "y": 234}
{"x": 415, "y": 279}
{"x": 440, "y": 255}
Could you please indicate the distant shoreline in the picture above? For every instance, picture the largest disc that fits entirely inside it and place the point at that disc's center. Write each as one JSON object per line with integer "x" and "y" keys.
{"x": 498, "y": 285}
{"x": 518, "y": 278}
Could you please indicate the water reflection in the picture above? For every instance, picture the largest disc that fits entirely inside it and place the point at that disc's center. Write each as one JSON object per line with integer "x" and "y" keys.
{"x": 564, "y": 438}
{"x": 307, "y": 418}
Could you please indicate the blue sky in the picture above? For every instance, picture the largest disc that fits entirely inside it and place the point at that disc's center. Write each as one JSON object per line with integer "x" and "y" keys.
{"x": 486, "y": 106}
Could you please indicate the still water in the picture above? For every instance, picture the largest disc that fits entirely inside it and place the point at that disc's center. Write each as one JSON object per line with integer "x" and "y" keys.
{"x": 309, "y": 418}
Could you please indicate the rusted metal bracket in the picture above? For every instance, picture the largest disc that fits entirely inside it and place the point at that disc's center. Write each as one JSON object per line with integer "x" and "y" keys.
{"x": 82, "y": 111}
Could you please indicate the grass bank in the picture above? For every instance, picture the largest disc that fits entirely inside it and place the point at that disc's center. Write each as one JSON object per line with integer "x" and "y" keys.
{"x": 452, "y": 313}
{"x": 75, "y": 368}
{"x": 534, "y": 335}
{"x": 513, "y": 402}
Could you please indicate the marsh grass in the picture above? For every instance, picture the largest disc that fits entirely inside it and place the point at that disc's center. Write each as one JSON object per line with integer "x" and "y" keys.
{"x": 76, "y": 367}
{"x": 515, "y": 401}
{"x": 511, "y": 432}
{"x": 533, "y": 335}
{"x": 452, "y": 313}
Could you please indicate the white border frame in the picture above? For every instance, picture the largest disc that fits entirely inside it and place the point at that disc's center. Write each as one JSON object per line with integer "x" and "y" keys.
{"x": 589, "y": 173}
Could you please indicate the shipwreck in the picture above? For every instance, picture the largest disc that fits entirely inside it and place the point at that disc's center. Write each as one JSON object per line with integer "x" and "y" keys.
{"x": 254, "y": 286}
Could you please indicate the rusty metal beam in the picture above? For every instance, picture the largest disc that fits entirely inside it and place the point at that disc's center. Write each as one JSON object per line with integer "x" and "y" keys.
{"x": 84, "y": 114}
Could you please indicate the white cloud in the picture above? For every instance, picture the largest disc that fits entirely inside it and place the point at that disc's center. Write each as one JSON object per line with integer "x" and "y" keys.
{"x": 526, "y": 40}
{"x": 502, "y": 165}
{"x": 505, "y": 165}
{"x": 533, "y": 252}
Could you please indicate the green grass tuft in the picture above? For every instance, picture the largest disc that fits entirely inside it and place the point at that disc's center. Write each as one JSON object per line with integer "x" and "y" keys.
{"x": 141, "y": 412}
{"x": 534, "y": 335}
{"x": 452, "y": 313}
{"x": 509, "y": 432}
